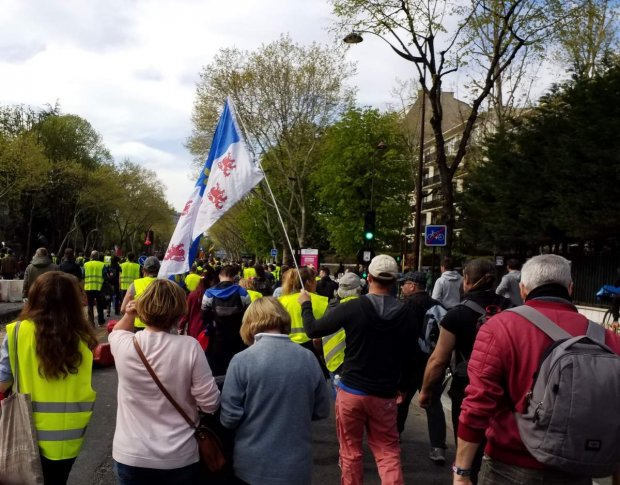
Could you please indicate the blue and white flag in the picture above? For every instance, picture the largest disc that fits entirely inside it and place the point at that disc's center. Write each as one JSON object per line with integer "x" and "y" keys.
{"x": 227, "y": 176}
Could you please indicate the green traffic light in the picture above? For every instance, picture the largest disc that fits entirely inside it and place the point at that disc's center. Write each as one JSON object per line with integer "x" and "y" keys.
{"x": 369, "y": 235}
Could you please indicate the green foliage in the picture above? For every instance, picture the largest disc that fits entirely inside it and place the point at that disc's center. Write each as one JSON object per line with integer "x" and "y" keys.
{"x": 351, "y": 168}
{"x": 552, "y": 178}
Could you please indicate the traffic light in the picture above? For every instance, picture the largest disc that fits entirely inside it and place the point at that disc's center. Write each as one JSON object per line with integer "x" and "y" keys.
{"x": 369, "y": 226}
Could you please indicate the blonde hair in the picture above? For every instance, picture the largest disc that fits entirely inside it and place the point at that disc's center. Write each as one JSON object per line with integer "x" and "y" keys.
{"x": 246, "y": 283}
{"x": 161, "y": 304}
{"x": 291, "y": 283}
{"x": 263, "y": 315}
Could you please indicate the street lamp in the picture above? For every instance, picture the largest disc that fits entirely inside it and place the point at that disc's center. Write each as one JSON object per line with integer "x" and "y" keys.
{"x": 355, "y": 37}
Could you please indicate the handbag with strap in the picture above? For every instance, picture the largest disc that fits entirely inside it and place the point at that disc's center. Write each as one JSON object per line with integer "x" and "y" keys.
{"x": 210, "y": 446}
{"x": 20, "y": 462}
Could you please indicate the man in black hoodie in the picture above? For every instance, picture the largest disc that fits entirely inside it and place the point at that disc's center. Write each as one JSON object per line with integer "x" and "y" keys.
{"x": 381, "y": 349}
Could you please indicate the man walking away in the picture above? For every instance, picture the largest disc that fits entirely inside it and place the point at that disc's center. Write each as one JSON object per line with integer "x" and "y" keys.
{"x": 94, "y": 274}
{"x": 413, "y": 285}
{"x": 224, "y": 306}
{"x": 447, "y": 289}
{"x": 8, "y": 267}
{"x": 41, "y": 263}
{"x": 507, "y": 353}
{"x": 130, "y": 271}
{"x": 378, "y": 359}
{"x": 326, "y": 286}
{"x": 69, "y": 265}
{"x": 509, "y": 286}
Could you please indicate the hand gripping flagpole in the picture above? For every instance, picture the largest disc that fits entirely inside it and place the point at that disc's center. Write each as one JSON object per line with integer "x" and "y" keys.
{"x": 275, "y": 203}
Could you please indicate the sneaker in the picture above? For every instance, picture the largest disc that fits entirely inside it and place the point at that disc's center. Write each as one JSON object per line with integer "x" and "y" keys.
{"x": 438, "y": 455}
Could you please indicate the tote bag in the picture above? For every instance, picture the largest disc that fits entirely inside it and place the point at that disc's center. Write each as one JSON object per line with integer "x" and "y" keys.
{"x": 20, "y": 463}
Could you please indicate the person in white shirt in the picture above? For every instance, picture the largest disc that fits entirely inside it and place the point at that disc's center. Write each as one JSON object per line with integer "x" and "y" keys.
{"x": 152, "y": 442}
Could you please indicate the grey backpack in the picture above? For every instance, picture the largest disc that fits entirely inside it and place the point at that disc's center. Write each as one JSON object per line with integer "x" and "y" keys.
{"x": 570, "y": 421}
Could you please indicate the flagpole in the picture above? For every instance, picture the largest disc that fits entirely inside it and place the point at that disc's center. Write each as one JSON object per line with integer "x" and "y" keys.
{"x": 260, "y": 165}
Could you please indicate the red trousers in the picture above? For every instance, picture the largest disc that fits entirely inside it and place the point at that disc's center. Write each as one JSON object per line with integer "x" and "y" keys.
{"x": 377, "y": 416}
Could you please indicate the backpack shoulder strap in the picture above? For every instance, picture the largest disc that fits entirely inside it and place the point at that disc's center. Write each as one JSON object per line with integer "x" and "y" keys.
{"x": 472, "y": 305}
{"x": 541, "y": 322}
{"x": 595, "y": 332}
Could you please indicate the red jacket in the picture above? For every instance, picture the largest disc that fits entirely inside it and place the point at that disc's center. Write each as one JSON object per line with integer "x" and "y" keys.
{"x": 505, "y": 357}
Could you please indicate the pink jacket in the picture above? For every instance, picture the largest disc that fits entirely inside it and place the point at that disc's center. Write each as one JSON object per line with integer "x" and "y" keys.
{"x": 505, "y": 357}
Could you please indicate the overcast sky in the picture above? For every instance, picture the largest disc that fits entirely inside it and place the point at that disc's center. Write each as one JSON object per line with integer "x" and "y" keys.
{"x": 130, "y": 67}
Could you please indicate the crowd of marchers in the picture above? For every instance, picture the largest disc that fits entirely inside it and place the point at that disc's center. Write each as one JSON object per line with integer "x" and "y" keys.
{"x": 266, "y": 349}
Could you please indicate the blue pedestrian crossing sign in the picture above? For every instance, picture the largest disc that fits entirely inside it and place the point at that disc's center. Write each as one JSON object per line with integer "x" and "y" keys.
{"x": 274, "y": 253}
{"x": 435, "y": 235}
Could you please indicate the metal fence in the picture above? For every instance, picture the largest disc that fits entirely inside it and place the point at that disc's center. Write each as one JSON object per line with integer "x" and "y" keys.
{"x": 592, "y": 271}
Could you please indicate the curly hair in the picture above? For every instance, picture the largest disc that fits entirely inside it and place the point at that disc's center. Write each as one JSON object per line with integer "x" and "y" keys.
{"x": 55, "y": 305}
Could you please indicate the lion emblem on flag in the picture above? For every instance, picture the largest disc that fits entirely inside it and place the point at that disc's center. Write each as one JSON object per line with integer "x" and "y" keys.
{"x": 227, "y": 164}
{"x": 188, "y": 204}
{"x": 217, "y": 196}
{"x": 175, "y": 253}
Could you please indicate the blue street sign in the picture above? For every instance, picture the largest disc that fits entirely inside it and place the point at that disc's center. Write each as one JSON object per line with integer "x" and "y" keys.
{"x": 274, "y": 253}
{"x": 141, "y": 260}
{"x": 435, "y": 235}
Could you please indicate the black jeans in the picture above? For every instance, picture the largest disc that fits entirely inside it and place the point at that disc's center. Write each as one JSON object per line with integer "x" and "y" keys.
{"x": 495, "y": 472}
{"x": 134, "y": 475}
{"x": 435, "y": 417}
{"x": 457, "y": 395}
{"x": 56, "y": 472}
{"x": 93, "y": 296}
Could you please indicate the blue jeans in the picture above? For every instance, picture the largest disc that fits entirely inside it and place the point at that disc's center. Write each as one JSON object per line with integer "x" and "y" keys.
{"x": 133, "y": 475}
{"x": 495, "y": 472}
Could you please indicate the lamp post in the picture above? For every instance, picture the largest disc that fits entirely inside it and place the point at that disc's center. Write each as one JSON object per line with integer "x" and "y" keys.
{"x": 355, "y": 37}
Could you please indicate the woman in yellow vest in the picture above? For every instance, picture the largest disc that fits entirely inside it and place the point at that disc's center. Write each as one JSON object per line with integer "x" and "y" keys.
{"x": 291, "y": 287}
{"x": 53, "y": 341}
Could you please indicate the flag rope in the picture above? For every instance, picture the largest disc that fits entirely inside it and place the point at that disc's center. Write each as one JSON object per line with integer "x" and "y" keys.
{"x": 275, "y": 203}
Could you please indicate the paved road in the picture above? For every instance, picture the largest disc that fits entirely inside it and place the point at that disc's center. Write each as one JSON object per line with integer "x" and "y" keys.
{"x": 93, "y": 466}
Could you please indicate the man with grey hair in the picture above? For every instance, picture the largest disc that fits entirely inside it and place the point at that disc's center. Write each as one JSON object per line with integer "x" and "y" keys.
{"x": 506, "y": 354}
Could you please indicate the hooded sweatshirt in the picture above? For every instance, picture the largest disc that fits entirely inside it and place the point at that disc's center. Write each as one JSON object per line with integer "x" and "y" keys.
{"x": 447, "y": 289}
{"x": 36, "y": 268}
{"x": 381, "y": 342}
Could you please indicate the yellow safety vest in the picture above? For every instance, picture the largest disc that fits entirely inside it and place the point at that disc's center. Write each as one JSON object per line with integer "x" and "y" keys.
{"x": 192, "y": 281}
{"x": 80, "y": 260}
{"x": 334, "y": 345}
{"x": 93, "y": 275}
{"x": 140, "y": 285}
{"x": 319, "y": 305}
{"x": 107, "y": 260}
{"x": 249, "y": 273}
{"x": 62, "y": 408}
{"x": 276, "y": 273}
{"x": 254, "y": 295}
{"x": 129, "y": 273}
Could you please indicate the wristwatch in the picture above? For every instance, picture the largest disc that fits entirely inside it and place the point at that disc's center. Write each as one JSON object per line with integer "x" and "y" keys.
{"x": 463, "y": 472}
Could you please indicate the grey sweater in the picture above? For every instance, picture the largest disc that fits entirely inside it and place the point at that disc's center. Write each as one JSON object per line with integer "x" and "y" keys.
{"x": 272, "y": 392}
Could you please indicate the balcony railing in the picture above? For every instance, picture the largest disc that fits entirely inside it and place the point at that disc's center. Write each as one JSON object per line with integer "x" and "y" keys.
{"x": 435, "y": 179}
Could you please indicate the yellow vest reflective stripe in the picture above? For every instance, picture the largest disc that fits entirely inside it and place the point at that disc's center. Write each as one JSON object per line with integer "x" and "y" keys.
{"x": 129, "y": 272}
{"x": 334, "y": 345}
{"x": 140, "y": 285}
{"x": 192, "y": 281}
{"x": 93, "y": 275}
{"x": 62, "y": 408}
{"x": 319, "y": 305}
{"x": 254, "y": 295}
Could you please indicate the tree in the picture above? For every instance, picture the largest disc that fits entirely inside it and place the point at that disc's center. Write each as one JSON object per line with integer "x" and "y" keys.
{"x": 418, "y": 34}
{"x": 285, "y": 96}
{"x": 549, "y": 180}
{"x": 589, "y": 36}
{"x": 354, "y": 174}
